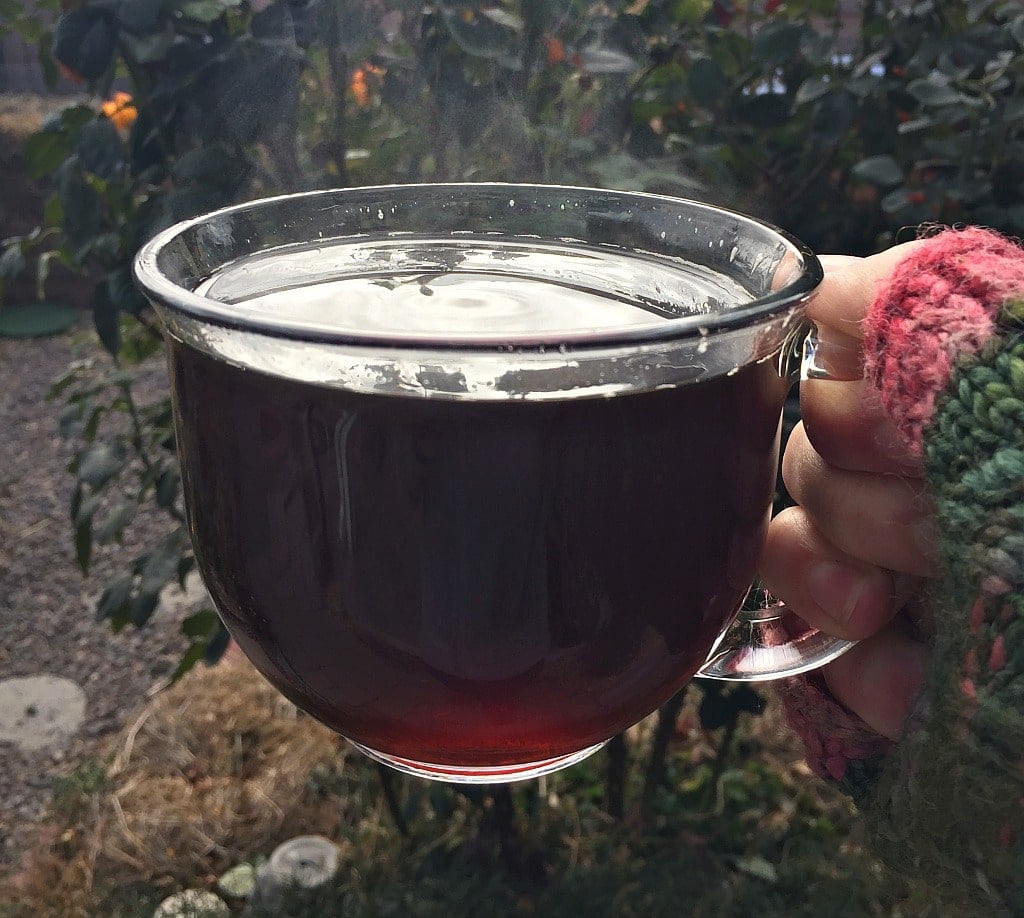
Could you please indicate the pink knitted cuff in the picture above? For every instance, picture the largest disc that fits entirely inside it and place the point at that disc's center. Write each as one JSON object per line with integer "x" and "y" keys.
{"x": 940, "y": 306}
{"x": 833, "y": 737}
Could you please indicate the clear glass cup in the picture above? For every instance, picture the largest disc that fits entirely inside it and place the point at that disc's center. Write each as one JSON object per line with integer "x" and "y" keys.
{"x": 479, "y": 475}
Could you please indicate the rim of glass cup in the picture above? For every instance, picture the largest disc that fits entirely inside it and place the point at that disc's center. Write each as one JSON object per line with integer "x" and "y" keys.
{"x": 807, "y": 273}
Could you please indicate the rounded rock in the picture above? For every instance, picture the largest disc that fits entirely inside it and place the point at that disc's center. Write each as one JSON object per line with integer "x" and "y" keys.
{"x": 307, "y": 862}
{"x": 40, "y": 712}
{"x": 192, "y": 903}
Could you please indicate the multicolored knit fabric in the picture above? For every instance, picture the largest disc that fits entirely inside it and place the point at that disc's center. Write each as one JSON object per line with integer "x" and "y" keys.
{"x": 944, "y": 347}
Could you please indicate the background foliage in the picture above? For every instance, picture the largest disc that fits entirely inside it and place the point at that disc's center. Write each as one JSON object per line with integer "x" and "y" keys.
{"x": 842, "y": 136}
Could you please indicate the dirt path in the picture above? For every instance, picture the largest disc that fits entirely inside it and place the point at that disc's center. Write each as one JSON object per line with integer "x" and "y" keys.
{"x": 46, "y": 618}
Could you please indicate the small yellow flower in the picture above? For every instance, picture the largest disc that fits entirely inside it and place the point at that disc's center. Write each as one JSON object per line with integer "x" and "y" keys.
{"x": 120, "y": 110}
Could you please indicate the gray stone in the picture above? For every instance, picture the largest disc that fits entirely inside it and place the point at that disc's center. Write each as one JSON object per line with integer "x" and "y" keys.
{"x": 305, "y": 863}
{"x": 238, "y": 882}
{"x": 192, "y": 903}
{"x": 40, "y": 712}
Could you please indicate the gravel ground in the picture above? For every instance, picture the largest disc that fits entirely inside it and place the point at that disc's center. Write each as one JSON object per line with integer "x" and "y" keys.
{"x": 46, "y": 618}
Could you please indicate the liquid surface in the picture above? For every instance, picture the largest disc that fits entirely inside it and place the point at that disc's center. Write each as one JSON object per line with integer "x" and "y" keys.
{"x": 446, "y": 289}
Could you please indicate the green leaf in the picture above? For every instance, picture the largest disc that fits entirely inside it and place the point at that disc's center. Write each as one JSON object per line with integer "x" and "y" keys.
{"x": 207, "y": 11}
{"x": 476, "y": 35}
{"x": 811, "y": 89}
{"x": 776, "y": 42}
{"x": 1017, "y": 29}
{"x": 185, "y": 566}
{"x": 167, "y": 487}
{"x": 202, "y": 624}
{"x": 765, "y": 111}
{"x": 604, "y": 60}
{"x": 161, "y": 566}
{"x": 44, "y": 151}
{"x": 83, "y": 544}
{"x": 112, "y": 527}
{"x": 139, "y": 16}
{"x": 707, "y": 81}
{"x": 53, "y": 211}
{"x": 504, "y": 18}
{"x": 105, "y": 318}
{"x": 113, "y": 602}
{"x": 148, "y": 49}
{"x": 123, "y": 292}
{"x": 143, "y": 607}
{"x": 216, "y": 646}
{"x": 99, "y": 464}
{"x": 934, "y": 92}
{"x": 977, "y": 8}
{"x": 81, "y": 205}
{"x": 189, "y": 659}
{"x": 12, "y": 261}
{"x": 68, "y": 419}
{"x": 100, "y": 150}
{"x": 879, "y": 170}
{"x": 84, "y": 41}
{"x": 87, "y": 507}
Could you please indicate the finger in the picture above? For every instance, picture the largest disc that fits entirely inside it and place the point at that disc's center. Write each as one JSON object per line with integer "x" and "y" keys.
{"x": 879, "y": 679}
{"x": 843, "y": 298}
{"x": 885, "y": 520}
{"x": 849, "y": 429}
{"x": 828, "y": 588}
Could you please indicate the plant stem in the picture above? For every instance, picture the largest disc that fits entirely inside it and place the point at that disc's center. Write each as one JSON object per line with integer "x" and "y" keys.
{"x": 655, "y": 775}
{"x": 387, "y": 783}
{"x": 721, "y": 755}
{"x": 338, "y": 71}
{"x": 615, "y": 789}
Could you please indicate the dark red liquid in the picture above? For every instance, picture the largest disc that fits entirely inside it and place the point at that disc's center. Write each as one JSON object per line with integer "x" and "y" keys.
{"x": 475, "y": 583}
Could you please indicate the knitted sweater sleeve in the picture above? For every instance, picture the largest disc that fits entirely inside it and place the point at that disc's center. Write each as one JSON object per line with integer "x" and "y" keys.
{"x": 944, "y": 349}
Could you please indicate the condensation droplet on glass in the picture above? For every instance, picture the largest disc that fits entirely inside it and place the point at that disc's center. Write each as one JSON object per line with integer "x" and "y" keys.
{"x": 380, "y": 214}
{"x": 732, "y": 255}
{"x": 733, "y": 371}
{"x": 563, "y": 349}
{"x": 561, "y": 207}
{"x": 663, "y": 234}
{"x": 703, "y": 331}
{"x": 511, "y": 202}
{"x": 702, "y": 346}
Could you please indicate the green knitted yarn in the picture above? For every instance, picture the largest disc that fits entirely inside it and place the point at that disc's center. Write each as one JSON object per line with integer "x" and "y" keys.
{"x": 962, "y": 763}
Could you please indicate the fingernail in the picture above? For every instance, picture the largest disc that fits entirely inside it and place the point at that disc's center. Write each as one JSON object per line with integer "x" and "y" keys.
{"x": 836, "y": 589}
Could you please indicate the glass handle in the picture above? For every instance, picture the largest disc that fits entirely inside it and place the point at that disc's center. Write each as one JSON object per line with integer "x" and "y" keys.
{"x": 772, "y": 642}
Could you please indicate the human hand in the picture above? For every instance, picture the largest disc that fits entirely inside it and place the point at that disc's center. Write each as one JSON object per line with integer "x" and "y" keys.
{"x": 852, "y": 558}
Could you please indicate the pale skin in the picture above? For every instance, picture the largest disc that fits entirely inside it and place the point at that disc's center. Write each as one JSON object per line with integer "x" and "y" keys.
{"x": 854, "y": 555}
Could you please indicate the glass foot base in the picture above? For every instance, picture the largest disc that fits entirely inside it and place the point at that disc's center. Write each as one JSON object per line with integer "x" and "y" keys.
{"x": 490, "y": 774}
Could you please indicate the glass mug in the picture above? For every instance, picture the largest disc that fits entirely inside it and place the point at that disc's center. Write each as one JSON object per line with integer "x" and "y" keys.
{"x": 479, "y": 475}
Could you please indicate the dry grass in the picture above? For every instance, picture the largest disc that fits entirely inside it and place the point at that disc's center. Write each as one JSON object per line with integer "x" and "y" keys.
{"x": 210, "y": 771}
{"x": 218, "y": 770}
